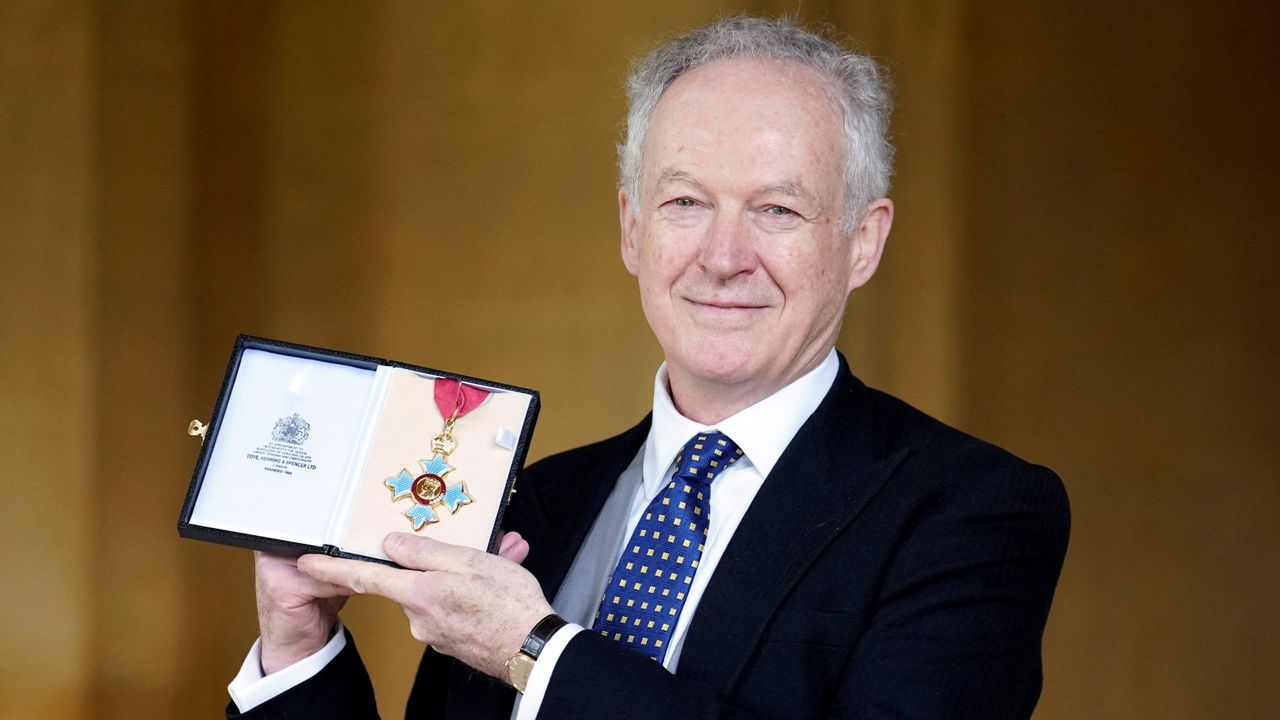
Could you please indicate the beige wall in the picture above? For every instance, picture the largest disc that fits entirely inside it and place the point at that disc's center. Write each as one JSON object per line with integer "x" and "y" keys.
{"x": 1081, "y": 271}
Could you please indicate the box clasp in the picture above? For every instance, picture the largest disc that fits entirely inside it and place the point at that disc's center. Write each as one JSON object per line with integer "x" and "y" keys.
{"x": 197, "y": 428}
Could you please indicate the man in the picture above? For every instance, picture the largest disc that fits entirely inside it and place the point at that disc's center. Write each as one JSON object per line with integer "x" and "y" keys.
{"x": 776, "y": 540}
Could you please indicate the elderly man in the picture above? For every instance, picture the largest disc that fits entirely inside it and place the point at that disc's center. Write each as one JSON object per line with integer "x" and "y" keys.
{"x": 776, "y": 540}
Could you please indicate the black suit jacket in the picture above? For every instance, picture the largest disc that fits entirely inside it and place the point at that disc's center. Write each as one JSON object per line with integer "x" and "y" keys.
{"x": 890, "y": 567}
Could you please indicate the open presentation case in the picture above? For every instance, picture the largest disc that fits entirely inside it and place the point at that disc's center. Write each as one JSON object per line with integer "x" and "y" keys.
{"x": 312, "y": 450}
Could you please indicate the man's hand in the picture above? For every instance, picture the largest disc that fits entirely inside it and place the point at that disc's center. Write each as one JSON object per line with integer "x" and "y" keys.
{"x": 465, "y": 603}
{"x": 296, "y": 613}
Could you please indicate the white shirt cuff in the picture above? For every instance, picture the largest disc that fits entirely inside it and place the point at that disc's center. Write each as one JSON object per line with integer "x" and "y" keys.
{"x": 528, "y": 703}
{"x": 251, "y": 688}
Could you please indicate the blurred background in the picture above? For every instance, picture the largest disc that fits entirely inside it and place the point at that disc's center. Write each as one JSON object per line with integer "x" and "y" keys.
{"x": 1083, "y": 270}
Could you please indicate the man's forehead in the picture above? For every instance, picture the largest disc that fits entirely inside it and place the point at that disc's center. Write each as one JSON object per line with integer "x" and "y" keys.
{"x": 759, "y": 126}
{"x": 748, "y": 100}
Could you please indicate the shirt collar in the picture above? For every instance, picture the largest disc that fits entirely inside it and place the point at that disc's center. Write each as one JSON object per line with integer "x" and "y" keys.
{"x": 762, "y": 430}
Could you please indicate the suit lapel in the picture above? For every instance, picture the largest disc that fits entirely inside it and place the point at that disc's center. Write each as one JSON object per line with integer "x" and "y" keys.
{"x": 822, "y": 481}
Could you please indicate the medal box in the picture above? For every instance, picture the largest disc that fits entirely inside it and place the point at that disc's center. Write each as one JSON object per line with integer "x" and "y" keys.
{"x": 313, "y": 450}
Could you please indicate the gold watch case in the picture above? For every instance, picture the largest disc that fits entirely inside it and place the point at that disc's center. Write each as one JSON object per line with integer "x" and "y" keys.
{"x": 519, "y": 668}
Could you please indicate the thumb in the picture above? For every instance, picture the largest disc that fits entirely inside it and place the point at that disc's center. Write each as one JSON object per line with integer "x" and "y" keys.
{"x": 514, "y": 547}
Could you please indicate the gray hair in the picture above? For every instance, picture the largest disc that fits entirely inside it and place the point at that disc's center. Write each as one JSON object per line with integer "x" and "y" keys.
{"x": 855, "y": 84}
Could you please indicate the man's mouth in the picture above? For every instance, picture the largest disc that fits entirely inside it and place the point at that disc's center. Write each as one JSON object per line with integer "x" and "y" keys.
{"x": 724, "y": 306}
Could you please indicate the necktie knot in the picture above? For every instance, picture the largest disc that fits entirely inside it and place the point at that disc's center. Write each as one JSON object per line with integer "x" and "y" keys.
{"x": 705, "y": 456}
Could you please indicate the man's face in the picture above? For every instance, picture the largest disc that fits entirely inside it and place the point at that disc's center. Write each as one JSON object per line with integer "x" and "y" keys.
{"x": 735, "y": 237}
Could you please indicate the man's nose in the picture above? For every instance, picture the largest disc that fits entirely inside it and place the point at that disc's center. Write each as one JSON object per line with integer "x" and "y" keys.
{"x": 728, "y": 247}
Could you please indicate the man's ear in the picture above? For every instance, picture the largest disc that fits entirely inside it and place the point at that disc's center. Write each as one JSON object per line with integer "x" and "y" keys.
{"x": 627, "y": 224}
{"x": 868, "y": 241}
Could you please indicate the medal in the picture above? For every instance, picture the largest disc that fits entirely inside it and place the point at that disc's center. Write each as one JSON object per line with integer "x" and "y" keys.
{"x": 431, "y": 488}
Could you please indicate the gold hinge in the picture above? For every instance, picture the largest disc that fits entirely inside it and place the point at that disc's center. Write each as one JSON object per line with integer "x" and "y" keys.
{"x": 197, "y": 428}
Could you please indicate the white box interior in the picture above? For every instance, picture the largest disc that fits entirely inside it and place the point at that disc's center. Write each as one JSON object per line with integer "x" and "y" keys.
{"x": 260, "y": 485}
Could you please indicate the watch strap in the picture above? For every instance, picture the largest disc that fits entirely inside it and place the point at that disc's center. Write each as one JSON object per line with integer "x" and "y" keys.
{"x": 537, "y": 638}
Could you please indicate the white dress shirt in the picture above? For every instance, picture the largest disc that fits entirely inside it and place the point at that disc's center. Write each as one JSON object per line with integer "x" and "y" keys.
{"x": 763, "y": 431}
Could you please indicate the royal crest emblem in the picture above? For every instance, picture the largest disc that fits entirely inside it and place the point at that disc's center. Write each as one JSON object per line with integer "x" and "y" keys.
{"x": 293, "y": 430}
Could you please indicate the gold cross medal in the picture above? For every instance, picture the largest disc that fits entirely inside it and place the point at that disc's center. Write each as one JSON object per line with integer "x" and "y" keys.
{"x": 430, "y": 489}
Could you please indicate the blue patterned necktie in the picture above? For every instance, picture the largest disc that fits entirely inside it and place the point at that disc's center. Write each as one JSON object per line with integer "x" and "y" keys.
{"x": 644, "y": 596}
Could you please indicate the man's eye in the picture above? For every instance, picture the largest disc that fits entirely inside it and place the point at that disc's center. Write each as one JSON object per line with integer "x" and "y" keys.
{"x": 780, "y": 211}
{"x": 683, "y": 202}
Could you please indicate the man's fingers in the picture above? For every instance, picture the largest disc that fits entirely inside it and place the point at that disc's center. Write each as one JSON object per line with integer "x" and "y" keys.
{"x": 423, "y": 553}
{"x": 361, "y": 577}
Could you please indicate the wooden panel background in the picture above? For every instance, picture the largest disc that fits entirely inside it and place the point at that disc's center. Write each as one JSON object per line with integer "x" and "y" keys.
{"x": 1082, "y": 270}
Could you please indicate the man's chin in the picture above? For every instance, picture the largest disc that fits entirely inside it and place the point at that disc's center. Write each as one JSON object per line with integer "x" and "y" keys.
{"x": 725, "y": 370}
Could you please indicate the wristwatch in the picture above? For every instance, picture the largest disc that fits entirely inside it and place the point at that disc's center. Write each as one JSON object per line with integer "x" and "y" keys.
{"x": 520, "y": 665}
